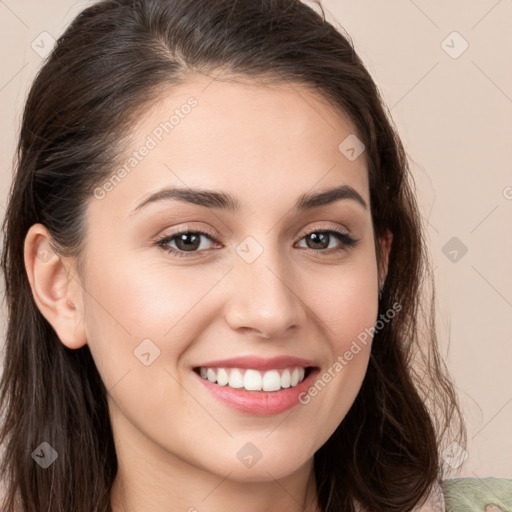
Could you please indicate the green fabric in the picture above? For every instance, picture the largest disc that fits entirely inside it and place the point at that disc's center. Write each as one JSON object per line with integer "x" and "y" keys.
{"x": 478, "y": 494}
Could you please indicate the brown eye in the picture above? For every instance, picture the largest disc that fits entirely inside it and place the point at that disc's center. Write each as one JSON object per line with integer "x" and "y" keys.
{"x": 325, "y": 240}
{"x": 188, "y": 241}
{"x": 185, "y": 242}
{"x": 319, "y": 240}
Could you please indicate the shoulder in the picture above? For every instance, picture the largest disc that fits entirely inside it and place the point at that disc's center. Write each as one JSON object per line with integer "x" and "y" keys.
{"x": 478, "y": 494}
{"x": 467, "y": 495}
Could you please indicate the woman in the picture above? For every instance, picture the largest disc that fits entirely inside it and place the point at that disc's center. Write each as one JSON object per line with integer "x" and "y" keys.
{"x": 213, "y": 262}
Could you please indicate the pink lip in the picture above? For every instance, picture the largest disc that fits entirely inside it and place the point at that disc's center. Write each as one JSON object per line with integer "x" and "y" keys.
{"x": 259, "y": 403}
{"x": 259, "y": 363}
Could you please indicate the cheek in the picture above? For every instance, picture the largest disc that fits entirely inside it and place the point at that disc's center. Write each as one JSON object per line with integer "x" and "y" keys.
{"x": 347, "y": 306}
{"x": 128, "y": 303}
{"x": 140, "y": 320}
{"x": 347, "y": 303}
{"x": 148, "y": 298}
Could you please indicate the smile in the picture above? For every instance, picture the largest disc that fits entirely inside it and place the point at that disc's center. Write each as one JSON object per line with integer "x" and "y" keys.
{"x": 257, "y": 386}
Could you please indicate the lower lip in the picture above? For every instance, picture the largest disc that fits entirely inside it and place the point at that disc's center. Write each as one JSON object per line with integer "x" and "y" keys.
{"x": 259, "y": 403}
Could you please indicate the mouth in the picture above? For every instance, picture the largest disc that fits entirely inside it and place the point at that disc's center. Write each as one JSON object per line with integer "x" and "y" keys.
{"x": 257, "y": 386}
{"x": 251, "y": 379}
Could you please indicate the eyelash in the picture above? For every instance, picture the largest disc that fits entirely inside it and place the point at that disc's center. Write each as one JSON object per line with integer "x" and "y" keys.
{"x": 347, "y": 241}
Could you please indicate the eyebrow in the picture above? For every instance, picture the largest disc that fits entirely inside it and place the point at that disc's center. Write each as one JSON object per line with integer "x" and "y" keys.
{"x": 224, "y": 201}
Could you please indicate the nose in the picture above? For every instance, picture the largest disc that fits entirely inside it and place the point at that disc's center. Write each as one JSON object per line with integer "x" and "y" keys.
{"x": 263, "y": 300}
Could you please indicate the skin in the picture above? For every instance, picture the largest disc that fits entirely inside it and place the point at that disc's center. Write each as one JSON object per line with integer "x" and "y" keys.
{"x": 177, "y": 445}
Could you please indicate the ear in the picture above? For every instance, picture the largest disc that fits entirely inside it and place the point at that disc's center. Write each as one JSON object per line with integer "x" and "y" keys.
{"x": 385, "y": 242}
{"x": 55, "y": 287}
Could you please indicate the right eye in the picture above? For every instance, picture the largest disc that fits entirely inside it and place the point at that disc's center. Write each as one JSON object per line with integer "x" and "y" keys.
{"x": 185, "y": 241}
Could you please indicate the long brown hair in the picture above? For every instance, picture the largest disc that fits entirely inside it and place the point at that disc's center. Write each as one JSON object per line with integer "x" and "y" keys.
{"x": 112, "y": 61}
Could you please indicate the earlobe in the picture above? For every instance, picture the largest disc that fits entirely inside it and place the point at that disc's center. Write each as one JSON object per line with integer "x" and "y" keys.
{"x": 56, "y": 292}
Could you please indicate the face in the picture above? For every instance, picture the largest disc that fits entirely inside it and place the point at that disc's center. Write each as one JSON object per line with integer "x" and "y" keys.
{"x": 219, "y": 294}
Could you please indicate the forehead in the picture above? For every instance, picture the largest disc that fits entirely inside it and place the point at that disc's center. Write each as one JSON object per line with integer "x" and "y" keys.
{"x": 252, "y": 140}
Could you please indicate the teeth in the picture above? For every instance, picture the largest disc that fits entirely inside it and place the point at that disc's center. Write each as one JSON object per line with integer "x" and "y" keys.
{"x": 222, "y": 377}
{"x": 254, "y": 380}
{"x": 286, "y": 379}
{"x": 236, "y": 379}
{"x": 271, "y": 381}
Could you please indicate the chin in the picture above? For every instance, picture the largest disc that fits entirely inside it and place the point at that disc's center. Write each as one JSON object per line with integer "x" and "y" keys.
{"x": 250, "y": 464}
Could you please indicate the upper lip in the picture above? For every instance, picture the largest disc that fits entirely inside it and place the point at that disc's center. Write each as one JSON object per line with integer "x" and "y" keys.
{"x": 259, "y": 363}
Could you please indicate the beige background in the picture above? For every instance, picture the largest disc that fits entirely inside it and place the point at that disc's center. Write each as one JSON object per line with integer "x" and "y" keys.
{"x": 454, "y": 113}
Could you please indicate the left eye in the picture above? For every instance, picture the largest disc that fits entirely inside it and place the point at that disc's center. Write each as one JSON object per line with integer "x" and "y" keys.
{"x": 320, "y": 238}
